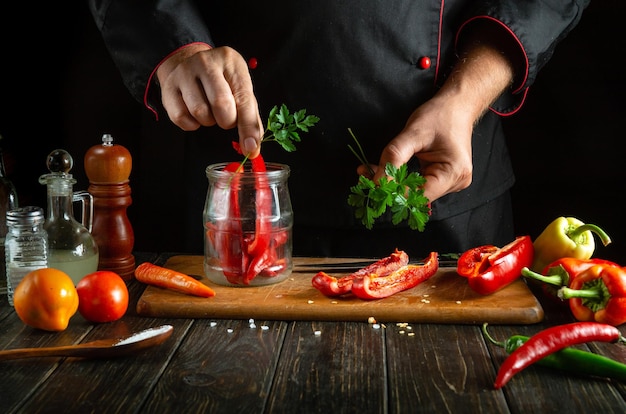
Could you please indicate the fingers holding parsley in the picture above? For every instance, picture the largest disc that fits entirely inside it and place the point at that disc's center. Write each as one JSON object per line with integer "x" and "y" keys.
{"x": 400, "y": 191}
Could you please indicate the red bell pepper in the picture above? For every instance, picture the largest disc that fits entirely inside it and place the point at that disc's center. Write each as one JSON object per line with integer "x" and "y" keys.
{"x": 598, "y": 294}
{"x": 489, "y": 268}
{"x": 561, "y": 272}
{"x": 373, "y": 286}
{"x": 332, "y": 286}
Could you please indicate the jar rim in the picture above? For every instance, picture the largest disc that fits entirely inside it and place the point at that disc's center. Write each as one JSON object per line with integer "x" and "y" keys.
{"x": 273, "y": 170}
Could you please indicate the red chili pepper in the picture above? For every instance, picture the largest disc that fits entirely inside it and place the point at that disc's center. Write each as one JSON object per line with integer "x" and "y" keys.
{"x": 489, "y": 268}
{"x": 551, "y": 340}
{"x": 598, "y": 294}
{"x": 373, "y": 286}
{"x": 332, "y": 286}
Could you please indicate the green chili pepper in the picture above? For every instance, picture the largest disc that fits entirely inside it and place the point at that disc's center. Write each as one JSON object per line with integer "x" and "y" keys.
{"x": 569, "y": 359}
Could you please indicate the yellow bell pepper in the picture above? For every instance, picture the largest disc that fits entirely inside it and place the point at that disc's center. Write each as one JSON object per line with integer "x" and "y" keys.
{"x": 46, "y": 299}
{"x": 566, "y": 237}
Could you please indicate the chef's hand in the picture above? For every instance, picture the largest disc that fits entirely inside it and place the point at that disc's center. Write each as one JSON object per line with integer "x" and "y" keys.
{"x": 439, "y": 133}
{"x": 201, "y": 86}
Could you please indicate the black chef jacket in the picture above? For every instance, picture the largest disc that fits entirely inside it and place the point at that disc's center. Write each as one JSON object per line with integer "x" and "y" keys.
{"x": 355, "y": 64}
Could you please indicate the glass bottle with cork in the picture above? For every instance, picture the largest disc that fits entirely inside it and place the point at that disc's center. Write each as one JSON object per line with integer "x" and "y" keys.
{"x": 72, "y": 248}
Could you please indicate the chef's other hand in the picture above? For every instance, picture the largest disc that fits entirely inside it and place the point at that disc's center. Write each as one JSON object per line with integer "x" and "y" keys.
{"x": 439, "y": 135}
{"x": 201, "y": 86}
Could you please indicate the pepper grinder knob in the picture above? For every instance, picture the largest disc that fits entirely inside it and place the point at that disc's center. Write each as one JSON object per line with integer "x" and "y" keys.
{"x": 108, "y": 167}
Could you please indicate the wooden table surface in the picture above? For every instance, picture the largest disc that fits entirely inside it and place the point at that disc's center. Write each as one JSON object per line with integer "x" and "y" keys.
{"x": 232, "y": 366}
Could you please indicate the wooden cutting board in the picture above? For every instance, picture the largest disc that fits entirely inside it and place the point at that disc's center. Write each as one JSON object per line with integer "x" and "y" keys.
{"x": 444, "y": 298}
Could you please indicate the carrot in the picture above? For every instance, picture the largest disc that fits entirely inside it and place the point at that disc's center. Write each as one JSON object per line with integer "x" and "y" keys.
{"x": 171, "y": 279}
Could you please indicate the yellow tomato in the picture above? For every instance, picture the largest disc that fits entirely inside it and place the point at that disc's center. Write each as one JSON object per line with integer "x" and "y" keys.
{"x": 46, "y": 299}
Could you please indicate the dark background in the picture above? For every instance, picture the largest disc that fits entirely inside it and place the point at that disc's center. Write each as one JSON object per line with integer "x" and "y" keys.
{"x": 60, "y": 89}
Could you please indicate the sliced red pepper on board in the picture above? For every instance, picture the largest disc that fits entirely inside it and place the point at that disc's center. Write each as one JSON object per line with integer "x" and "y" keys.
{"x": 490, "y": 269}
{"x": 598, "y": 294}
{"x": 332, "y": 286}
{"x": 373, "y": 286}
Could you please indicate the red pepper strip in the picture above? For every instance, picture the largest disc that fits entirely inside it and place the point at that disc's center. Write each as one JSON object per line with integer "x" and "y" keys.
{"x": 332, "y": 286}
{"x": 551, "y": 340}
{"x": 489, "y": 272}
{"x": 598, "y": 294}
{"x": 373, "y": 286}
{"x": 228, "y": 233}
{"x": 257, "y": 249}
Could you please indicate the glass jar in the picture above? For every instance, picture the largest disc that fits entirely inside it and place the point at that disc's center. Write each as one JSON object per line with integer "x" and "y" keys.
{"x": 26, "y": 245}
{"x": 248, "y": 223}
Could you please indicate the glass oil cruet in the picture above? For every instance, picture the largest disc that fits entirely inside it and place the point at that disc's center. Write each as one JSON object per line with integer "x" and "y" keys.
{"x": 72, "y": 248}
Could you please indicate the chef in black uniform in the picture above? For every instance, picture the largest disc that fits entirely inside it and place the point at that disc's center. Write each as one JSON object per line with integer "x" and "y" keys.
{"x": 418, "y": 82}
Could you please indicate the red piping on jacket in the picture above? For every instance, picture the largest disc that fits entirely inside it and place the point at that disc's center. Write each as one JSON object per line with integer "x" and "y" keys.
{"x": 519, "y": 89}
{"x": 153, "y": 74}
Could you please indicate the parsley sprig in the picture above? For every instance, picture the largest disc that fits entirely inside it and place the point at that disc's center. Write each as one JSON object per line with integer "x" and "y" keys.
{"x": 282, "y": 126}
{"x": 403, "y": 194}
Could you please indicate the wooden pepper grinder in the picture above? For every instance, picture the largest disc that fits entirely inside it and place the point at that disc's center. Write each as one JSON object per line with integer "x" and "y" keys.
{"x": 108, "y": 168}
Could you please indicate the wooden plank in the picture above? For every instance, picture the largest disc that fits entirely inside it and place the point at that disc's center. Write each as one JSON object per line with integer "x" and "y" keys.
{"x": 445, "y": 298}
{"x": 547, "y": 390}
{"x": 331, "y": 368}
{"x": 113, "y": 385}
{"x": 225, "y": 367}
{"x": 432, "y": 366}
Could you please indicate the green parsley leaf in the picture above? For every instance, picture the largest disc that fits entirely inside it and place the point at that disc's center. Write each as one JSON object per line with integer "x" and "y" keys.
{"x": 402, "y": 194}
{"x": 283, "y": 126}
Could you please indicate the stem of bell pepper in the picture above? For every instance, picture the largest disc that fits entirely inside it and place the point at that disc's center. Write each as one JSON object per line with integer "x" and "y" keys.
{"x": 373, "y": 286}
{"x": 558, "y": 276}
{"x": 566, "y": 237}
{"x": 598, "y": 293}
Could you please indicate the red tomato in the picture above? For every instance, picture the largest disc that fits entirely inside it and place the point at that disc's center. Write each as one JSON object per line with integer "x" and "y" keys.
{"x": 102, "y": 296}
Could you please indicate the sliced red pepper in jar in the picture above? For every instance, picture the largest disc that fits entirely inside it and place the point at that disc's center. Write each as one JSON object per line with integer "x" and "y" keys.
{"x": 228, "y": 237}
{"x": 373, "y": 286}
{"x": 489, "y": 269}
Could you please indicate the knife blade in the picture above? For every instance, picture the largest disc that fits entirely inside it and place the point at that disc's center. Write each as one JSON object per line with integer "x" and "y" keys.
{"x": 348, "y": 266}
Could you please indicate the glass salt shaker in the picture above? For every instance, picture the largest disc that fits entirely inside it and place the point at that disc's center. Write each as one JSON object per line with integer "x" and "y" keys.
{"x": 26, "y": 245}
